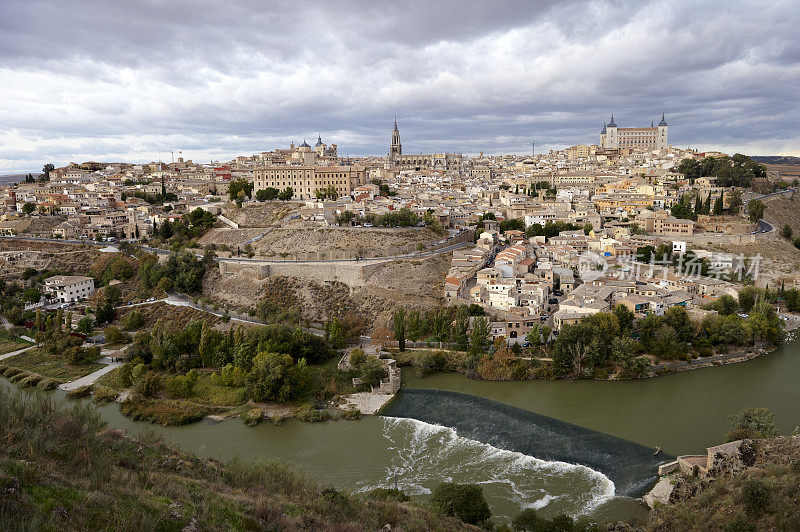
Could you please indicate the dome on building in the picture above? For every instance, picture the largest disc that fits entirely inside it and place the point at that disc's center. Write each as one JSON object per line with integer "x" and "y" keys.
{"x": 304, "y": 144}
{"x": 319, "y": 141}
{"x": 663, "y": 120}
{"x": 612, "y": 123}
{"x": 603, "y": 132}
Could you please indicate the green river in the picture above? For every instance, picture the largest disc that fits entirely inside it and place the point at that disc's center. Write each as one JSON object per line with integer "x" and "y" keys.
{"x": 682, "y": 413}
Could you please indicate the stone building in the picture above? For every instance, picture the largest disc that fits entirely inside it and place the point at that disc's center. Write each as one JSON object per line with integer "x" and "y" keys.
{"x": 646, "y": 138}
{"x": 426, "y": 161}
{"x": 306, "y": 180}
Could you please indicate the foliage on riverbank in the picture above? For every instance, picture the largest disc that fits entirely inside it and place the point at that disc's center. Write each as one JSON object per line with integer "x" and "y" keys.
{"x": 167, "y": 412}
{"x": 603, "y": 345}
{"x": 62, "y": 469}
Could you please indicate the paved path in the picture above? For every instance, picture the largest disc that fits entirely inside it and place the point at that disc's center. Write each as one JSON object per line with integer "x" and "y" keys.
{"x": 367, "y": 403}
{"x": 660, "y": 492}
{"x": 15, "y": 353}
{"x": 92, "y": 377}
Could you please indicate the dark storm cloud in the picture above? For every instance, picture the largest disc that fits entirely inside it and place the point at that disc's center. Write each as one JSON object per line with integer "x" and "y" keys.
{"x": 102, "y": 80}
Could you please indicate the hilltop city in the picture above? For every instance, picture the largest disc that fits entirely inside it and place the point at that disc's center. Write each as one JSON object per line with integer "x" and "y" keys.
{"x": 297, "y": 282}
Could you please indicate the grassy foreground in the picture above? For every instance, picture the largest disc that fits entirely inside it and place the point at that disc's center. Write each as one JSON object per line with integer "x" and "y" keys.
{"x": 62, "y": 469}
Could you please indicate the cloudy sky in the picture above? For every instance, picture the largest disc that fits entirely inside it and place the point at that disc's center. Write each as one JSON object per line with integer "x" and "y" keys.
{"x": 124, "y": 80}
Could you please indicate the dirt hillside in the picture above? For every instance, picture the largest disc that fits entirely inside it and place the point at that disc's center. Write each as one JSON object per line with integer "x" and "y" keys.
{"x": 261, "y": 215}
{"x": 409, "y": 283}
{"x": 326, "y": 240}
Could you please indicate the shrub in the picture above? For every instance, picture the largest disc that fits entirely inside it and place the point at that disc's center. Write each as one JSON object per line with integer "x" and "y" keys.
{"x": 20, "y": 376}
{"x": 352, "y": 413}
{"x": 464, "y": 501}
{"x": 756, "y": 497}
{"x": 149, "y": 385}
{"x": 124, "y": 375}
{"x": 31, "y": 380}
{"x": 134, "y": 320}
{"x": 163, "y": 412}
{"x": 115, "y": 336}
{"x": 307, "y": 412}
{"x": 10, "y": 372}
{"x": 357, "y": 357}
{"x": 182, "y": 385}
{"x": 253, "y": 417}
{"x": 48, "y": 384}
{"x": 77, "y": 393}
{"x": 430, "y": 362}
{"x": 104, "y": 394}
{"x": 528, "y": 520}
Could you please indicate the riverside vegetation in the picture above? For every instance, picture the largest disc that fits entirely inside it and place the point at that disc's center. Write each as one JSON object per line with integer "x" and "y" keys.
{"x": 598, "y": 346}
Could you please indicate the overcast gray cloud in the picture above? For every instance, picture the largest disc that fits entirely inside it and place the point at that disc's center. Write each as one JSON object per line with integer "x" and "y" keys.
{"x": 128, "y": 80}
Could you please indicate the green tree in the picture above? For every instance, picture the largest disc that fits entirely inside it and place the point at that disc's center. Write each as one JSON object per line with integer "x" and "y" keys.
{"x": 479, "y": 339}
{"x": 335, "y": 334}
{"x": 239, "y": 185}
{"x": 459, "y": 331}
{"x": 85, "y": 325}
{"x": 528, "y": 521}
{"x": 682, "y": 210}
{"x": 679, "y": 320}
{"x": 726, "y": 304}
{"x": 764, "y": 324}
{"x": 104, "y": 312}
{"x": 464, "y": 501}
{"x": 399, "y": 328}
{"x": 753, "y": 423}
{"x": 747, "y": 297}
{"x": 29, "y": 208}
{"x": 786, "y": 232}
{"x": 46, "y": 169}
{"x": 734, "y": 201}
{"x": 31, "y": 295}
{"x": 624, "y": 317}
{"x": 718, "y": 204}
{"x": 534, "y": 336}
{"x": 286, "y": 194}
{"x": 755, "y": 210}
{"x": 267, "y": 194}
{"x": 275, "y": 377}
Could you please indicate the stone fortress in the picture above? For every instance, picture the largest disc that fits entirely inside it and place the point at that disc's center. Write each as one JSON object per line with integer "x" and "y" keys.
{"x": 648, "y": 138}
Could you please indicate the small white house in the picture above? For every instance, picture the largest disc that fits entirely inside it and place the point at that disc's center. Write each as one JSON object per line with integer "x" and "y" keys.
{"x": 69, "y": 288}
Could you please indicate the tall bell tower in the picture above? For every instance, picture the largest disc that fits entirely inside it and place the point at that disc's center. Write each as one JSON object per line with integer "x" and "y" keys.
{"x": 395, "y": 148}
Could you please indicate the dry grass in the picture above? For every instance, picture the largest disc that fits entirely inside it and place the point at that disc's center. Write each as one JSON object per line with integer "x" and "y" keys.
{"x": 52, "y": 366}
{"x": 61, "y": 469}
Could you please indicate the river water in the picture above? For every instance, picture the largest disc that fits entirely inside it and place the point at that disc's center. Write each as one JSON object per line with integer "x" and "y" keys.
{"x": 583, "y": 448}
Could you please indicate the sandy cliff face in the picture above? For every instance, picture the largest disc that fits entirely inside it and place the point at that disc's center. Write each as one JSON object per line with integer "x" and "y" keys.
{"x": 412, "y": 283}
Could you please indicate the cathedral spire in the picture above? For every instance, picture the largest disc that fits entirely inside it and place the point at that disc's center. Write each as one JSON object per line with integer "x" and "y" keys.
{"x": 395, "y": 147}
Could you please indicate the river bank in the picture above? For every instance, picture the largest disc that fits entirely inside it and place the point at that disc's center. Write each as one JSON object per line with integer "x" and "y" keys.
{"x": 681, "y": 413}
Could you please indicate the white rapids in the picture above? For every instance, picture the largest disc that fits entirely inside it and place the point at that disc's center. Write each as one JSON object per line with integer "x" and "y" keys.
{"x": 424, "y": 455}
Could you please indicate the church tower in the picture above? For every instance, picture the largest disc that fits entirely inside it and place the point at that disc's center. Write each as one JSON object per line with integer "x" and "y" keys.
{"x": 395, "y": 148}
{"x": 663, "y": 132}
